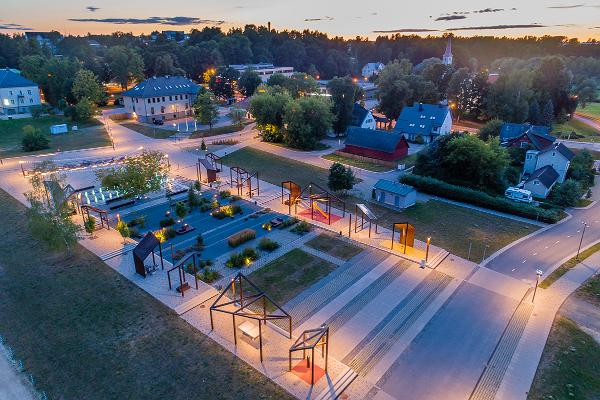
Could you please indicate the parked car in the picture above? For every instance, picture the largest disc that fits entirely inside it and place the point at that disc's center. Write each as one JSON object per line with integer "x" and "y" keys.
{"x": 158, "y": 122}
{"x": 517, "y": 194}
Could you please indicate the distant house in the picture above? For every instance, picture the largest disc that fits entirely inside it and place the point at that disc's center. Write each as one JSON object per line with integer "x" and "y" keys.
{"x": 379, "y": 145}
{"x": 362, "y": 118}
{"x": 161, "y": 98}
{"x": 541, "y": 182}
{"x": 427, "y": 121}
{"x": 371, "y": 69}
{"x": 493, "y": 78}
{"x": 525, "y": 135}
{"x": 394, "y": 194}
{"x": 264, "y": 70}
{"x": 557, "y": 155}
{"x": 17, "y": 94}
{"x": 45, "y": 39}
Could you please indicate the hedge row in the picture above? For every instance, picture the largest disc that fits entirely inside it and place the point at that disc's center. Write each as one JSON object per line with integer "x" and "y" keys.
{"x": 436, "y": 187}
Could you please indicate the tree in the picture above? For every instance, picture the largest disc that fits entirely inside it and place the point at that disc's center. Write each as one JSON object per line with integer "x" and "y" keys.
{"x": 491, "y": 129}
{"x": 268, "y": 111}
{"x": 206, "y": 109}
{"x": 137, "y": 175}
{"x": 508, "y": 99}
{"x": 90, "y": 225}
{"x": 222, "y": 83}
{"x": 535, "y": 115}
{"x": 125, "y": 64}
{"x": 394, "y": 91}
{"x": 86, "y": 85}
{"x": 249, "y": 81}
{"x": 237, "y": 116}
{"x": 581, "y": 169}
{"x": 566, "y": 194}
{"x": 547, "y": 116}
{"x": 33, "y": 139}
{"x": 459, "y": 91}
{"x": 344, "y": 93}
{"x": 277, "y": 80}
{"x": 164, "y": 65}
{"x": 181, "y": 210}
{"x": 203, "y": 145}
{"x": 552, "y": 82}
{"x": 83, "y": 111}
{"x": 123, "y": 230}
{"x": 587, "y": 90}
{"x": 340, "y": 179}
{"x": 308, "y": 119}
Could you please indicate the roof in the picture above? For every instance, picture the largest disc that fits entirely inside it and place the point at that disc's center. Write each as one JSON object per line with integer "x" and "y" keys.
{"x": 373, "y": 139}
{"x": 373, "y": 65}
{"x": 511, "y": 130}
{"x": 359, "y": 113}
{"x": 562, "y": 149}
{"x": 393, "y": 187}
{"x": 163, "y": 86}
{"x": 420, "y": 118}
{"x": 547, "y": 175}
{"x": 9, "y": 79}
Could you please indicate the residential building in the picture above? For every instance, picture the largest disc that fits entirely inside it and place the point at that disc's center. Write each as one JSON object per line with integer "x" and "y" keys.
{"x": 176, "y": 36}
{"x": 525, "y": 135}
{"x": 17, "y": 94}
{"x": 394, "y": 194}
{"x": 447, "y": 57}
{"x": 45, "y": 39}
{"x": 264, "y": 70}
{"x": 371, "y": 69}
{"x": 541, "y": 182}
{"x": 161, "y": 98}
{"x": 426, "y": 121}
{"x": 362, "y": 118}
{"x": 557, "y": 155}
{"x": 375, "y": 144}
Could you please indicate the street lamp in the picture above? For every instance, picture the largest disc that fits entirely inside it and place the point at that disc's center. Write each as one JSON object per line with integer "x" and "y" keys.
{"x": 581, "y": 240}
{"x": 538, "y": 274}
{"x": 168, "y": 163}
{"x": 427, "y": 249}
{"x": 22, "y": 170}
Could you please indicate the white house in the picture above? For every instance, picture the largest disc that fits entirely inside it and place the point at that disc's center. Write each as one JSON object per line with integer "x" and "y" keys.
{"x": 371, "y": 69}
{"x": 544, "y": 168}
{"x": 17, "y": 94}
{"x": 362, "y": 118}
{"x": 161, "y": 98}
{"x": 394, "y": 194}
{"x": 264, "y": 70}
{"x": 425, "y": 121}
{"x": 541, "y": 182}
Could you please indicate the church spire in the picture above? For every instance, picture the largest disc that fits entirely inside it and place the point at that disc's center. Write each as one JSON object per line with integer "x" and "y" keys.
{"x": 447, "y": 59}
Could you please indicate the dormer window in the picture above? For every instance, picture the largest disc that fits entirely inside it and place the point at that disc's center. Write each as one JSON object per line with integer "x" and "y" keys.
{"x": 421, "y": 126}
{"x": 423, "y": 117}
{"x": 411, "y": 125}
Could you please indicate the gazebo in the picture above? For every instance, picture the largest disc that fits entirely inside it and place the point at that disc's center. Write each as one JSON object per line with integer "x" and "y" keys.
{"x": 309, "y": 340}
{"x": 143, "y": 249}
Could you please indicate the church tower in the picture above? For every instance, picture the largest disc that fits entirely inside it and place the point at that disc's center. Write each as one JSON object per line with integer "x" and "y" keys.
{"x": 447, "y": 59}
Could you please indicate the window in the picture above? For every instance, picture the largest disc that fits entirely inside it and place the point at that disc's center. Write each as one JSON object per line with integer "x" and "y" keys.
{"x": 12, "y": 101}
{"x": 10, "y": 92}
{"x": 553, "y": 153}
{"x": 186, "y": 96}
{"x": 162, "y": 109}
{"x": 170, "y": 98}
{"x": 163, "y": 98}
{"x": 176, "y": 98}
{"x": 152, "y": 110}
{"x": 29, "y": 92}
{"x": 148, "y": 100}
{"x": 536, "y": 182}
{"x": 528, "y": 156}
{"x": 31, "y": 101}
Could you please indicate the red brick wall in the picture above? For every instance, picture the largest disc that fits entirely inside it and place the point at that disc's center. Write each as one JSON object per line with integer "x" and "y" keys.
{"x": 400, "y": 152}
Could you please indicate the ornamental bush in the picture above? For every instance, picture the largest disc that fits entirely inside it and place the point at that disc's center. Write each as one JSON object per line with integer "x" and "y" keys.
{"x": 241, "y": 237}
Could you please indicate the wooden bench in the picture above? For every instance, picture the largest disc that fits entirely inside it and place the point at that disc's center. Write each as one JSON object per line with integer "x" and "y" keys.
{"x": 249, "y": 329}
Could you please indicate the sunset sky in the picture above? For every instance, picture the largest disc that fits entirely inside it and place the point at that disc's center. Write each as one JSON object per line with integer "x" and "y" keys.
{"x": 347, "y": 18}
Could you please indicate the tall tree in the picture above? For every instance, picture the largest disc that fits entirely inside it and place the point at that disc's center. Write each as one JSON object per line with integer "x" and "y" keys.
{"x": 249, "y": 81}
{"x": 86, "y": 85}
{"x": 308, "y": 119}
{"x": 547, "y": 116}
{"x": 125, "y": 64}
{"x": 344, "y": 93}
{"x": 206, "y": 109}
{"x": 394, "y": 91}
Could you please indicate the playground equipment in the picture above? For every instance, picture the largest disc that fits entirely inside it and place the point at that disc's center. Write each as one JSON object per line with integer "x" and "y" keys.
{"x": 211, "y": 171}
{"x": 245, "y": 299}
{"x": 215, "y": 160}
{"x": 240, "y": 179}
{"x": 143, "y": 249}
{"x": 180, "y": 267}
{"x": 407, "y": 234}
{"x": 102, "y": 215}
{"x": 365, "y": 213}
{"x": 309, "y": 340}
{"x": 314, "y": 197}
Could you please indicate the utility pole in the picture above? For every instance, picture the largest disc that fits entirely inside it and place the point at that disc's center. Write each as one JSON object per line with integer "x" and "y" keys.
{"x": 581, "y": 240}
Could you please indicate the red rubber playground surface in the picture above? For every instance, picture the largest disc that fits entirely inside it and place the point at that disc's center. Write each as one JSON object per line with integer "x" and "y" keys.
{"x": 318, "y": 216}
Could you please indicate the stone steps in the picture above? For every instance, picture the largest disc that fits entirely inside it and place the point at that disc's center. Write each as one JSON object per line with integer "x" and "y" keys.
{"x": 340, "y": 384}
{"x": 124, "y": 250}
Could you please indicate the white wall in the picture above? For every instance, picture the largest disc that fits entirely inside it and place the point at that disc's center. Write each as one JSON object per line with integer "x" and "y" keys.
{"x": 369, "y": 121}
{"x": 10, "y": 100}
{"x": 167, "y": 108}
{"x": 558, "y": 162}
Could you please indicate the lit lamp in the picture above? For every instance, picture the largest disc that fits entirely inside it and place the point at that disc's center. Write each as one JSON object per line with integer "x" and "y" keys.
{"x": 22, "y": 170}
{"x": 538, "y": 274}
{"x": 427, "y": 249}
{"x": 168, "y": 162}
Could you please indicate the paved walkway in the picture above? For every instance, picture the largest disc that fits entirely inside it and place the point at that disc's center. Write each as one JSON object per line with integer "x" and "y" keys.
{"x": 12, "y": 384}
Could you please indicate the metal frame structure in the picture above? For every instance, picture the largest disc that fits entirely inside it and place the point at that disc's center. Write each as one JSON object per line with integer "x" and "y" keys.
{"x": 215, "y": 161}
{"x": 102, "y": 214}
{"x": 293, "y": 197}
{"x": 143, "y": 250}
{"x": 316, "y": 337}
{"x": 407, "y": 232}
{"x": 364, "y": 212}
{"x": 180, "y": 266}
{"x": 248, "y": 302}
{"x": 324, "y": 196}
{"x": 243, "y": 178}
{"x": 211, "y": 171}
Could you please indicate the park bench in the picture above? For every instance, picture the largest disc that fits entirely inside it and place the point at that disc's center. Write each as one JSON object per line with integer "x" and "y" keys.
{"x": 249, "y": 329}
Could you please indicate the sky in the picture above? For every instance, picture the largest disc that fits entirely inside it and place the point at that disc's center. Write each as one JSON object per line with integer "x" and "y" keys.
{"x": 348, "y": 18}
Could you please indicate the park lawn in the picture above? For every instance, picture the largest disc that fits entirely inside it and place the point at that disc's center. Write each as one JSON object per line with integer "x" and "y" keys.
{"x": 591, "y": 110}
{"x": 590, "y": 290}
{"x": 568, "y": 265}
{"x": 86, "y": 332}
{"x": 590, "y": 134}
{"x": 287, "y": 276}
{"x": 220, "y": 130}
{"x": 569, "y": 365}
{"x": 334, "y": 246}
{"x": 149, "y": 131}
{"x": 451, "y": 227}
{"x": 89, "y": 134}
{"x": 368, "y": 165}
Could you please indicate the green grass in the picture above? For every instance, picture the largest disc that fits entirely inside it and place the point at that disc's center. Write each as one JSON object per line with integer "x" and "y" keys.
{"x": 590, "y": 290}
{"x": 368, "y": 165}
{"x": 287, "y": 276}
{"x": 150, "y": 131}
{"x": 90, "y": 134}
{"x": 221, "y": 130}
{"x": 590, "y": 134}
{"x": 451, "y": 227}
{"x": 86, "y": 332}
{"x": 595, "y": 153}
{"x": 584, "y": 202}
{"x": 569, "y": 365}
{"x": 334, "y": 246}
{"x": 591, "y": 109}
{"x": 568, "y": 265}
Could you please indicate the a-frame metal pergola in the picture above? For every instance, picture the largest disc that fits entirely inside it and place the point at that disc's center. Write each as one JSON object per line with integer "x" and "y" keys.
{"x": 309, "y": 340}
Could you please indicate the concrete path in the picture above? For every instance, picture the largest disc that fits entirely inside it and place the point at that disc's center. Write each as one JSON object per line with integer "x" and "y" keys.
{"x": 12, "y": 384}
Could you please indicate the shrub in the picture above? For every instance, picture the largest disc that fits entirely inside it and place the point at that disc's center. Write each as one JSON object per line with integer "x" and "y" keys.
{"x": 193, "y": 198}
{"x": 267, "y": 244}
{"x": 224, "y": 194}
{"x": 167, "y": 222}
{"x": 436, "y": 187}
{"x": 208, "y": 275}
{"x": 289, "y": 222}
{"x": 161, "y": 235}
{"x": 205, "y": 207}
{"x": 141, "y": 221}
{"x": 234, "y": 198}
{"x": 171, "y": 233}
{"x": 238, "y": 260}
{"x": 33, "y": 139}
{"x": 301, "y": 228}
{"x": 181, "y": 209}
{"x": 241, "y": 237}
{"x": 227, "y": 211}
{"x": 123, "y": 230}
{"x": 90, "y": 225}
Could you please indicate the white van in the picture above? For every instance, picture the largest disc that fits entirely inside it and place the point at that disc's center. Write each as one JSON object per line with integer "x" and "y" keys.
{"x": 516, "y": 194}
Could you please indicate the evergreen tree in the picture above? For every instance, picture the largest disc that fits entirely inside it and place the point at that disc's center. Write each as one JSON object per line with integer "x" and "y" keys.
{"x": 534, "y": 113}
{"x": 547, "y": 116}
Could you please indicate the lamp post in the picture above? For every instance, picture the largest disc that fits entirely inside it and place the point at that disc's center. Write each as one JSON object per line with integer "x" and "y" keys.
{"x": 538, "y": 274}
{"x": 168, "y": 162}
{"x": 581, "y": 240}
{"x": 427, "y": 249}
{"x": 21, "y": 165}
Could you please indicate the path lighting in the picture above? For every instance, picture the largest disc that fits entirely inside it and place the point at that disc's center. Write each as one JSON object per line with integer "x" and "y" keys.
{"x": 22, "y": 170}
{"x": 168, "y": 162}
{"x": 538, "y": 274}
{"x": 581, "y": 240}
{"x": 427, "y": 249}
{"x": 141, "y": 148}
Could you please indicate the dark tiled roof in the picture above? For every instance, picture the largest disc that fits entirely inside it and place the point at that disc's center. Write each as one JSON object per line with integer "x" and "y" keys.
{"x": 511, "y": 131}
{"x": 393, "y": 187}
{"x": 163, "y": 86}
{"x": 373, "y": 139}
{"x": 421, "y": 118}
{"x": 564, "y": 150}
{"x": 359, "y": 113}
{"x": 546, "y": 175}
{"x": 9, "y": 79}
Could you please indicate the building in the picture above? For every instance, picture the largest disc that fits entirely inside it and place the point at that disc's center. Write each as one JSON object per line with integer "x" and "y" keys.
{"x": 541, "y": 182}
{"x": 176, "y": 36}
{"x": 426, "y": 121}
{"x": 447, "y": 57}
{"x": 17, "y": 94}
{"x": 362, "y": 118}
{"x": 525, "y": 135}
{"x": 161, "y": 98}
{"x": 394, "y": 194}
{"x": 45, "y": 39}
{"x": 371, "y": 69}
{"x": 264, "y": 70}
{"x": 557, "y": 156}
{"x": 375, "y": 144}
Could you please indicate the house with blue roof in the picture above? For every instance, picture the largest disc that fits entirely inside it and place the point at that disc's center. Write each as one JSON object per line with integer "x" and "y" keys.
{"x": 526, "y": 136}
{"x": 362, "y": 118}
{"x": 17, "y": 94}
{"x": 375, "y": 144}
{"x": 394, "y": 194}
{"x": 161, "y": 98}
{"x": 424, "y": 121}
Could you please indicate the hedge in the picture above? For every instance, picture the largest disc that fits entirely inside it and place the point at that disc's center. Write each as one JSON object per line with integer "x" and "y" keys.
{"x": 241, "y": 237}
{"x": 436, "y": 187}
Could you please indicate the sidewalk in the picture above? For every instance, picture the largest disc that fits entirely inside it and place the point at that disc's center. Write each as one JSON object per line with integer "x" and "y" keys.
{"x": 12, "y": 384}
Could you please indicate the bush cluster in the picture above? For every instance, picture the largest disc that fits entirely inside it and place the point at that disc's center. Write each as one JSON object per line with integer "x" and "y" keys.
{"x": 167, "y": 222}
{"x": 227, "y": 211}
{"x": 241, "y": 237}
{"x": 267, "y": 244}
{"x": 238, "y": 260}
{"x": 301, "y": 228}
